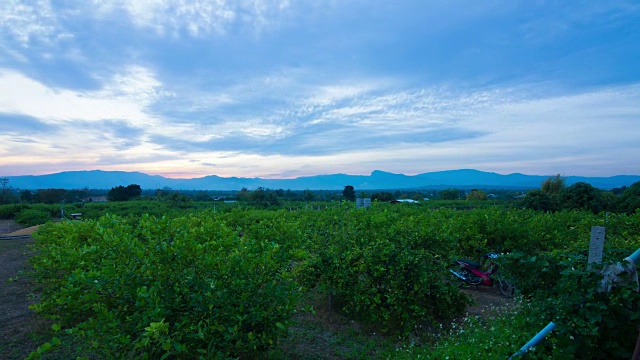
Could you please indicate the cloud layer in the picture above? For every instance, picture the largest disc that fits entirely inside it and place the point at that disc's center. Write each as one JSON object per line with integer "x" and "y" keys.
{"x": 285, "y": 88}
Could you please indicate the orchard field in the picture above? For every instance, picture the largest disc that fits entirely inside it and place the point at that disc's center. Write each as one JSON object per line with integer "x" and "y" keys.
{"x": 235, "y": 283}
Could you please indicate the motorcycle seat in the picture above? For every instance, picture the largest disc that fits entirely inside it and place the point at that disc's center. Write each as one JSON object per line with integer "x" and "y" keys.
{"x": 473, "y": 264}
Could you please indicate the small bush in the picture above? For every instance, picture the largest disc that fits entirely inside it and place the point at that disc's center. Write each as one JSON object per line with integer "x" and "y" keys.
{"x": 9, "y": 211}
{"x": 30, "y": 217}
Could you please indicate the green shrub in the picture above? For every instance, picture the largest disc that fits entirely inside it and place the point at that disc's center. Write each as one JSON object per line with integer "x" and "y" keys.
{"x": 32, "y": 217}
{"x": 9, "y": 211}
{"x": 185, "y": 288}
{"x": 590, "y": 323}
{"x": 383, "y": 267}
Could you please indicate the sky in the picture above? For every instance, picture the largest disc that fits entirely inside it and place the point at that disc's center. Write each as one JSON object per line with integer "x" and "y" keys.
{"x": 290, "y": 88}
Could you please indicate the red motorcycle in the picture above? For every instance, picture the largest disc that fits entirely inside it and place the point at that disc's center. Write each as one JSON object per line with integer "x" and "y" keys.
{"x": 470, "y": 272}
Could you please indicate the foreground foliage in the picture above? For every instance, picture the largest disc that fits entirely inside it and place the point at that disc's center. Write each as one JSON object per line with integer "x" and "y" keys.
{"x": 226, "y": 284}
{"x": 184, "y": 287}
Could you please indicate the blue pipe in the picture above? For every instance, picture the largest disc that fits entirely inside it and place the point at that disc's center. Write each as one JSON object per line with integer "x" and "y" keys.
{"x": 635, "y": 256}
{"x": 535, "y": 341}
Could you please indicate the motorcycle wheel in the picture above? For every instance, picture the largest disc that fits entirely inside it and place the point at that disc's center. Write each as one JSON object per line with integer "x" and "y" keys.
{"x": 506, "y": 287}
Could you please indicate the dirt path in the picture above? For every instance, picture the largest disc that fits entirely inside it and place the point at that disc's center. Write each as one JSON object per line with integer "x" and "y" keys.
{"x": 487, "y": 298}
{"x": 18, "y": 322}
{"x": 20, "y": 232}
{"x": 8, "y": 226}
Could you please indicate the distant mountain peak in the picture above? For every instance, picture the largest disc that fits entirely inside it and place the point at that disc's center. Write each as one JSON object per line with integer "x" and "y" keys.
{"x": 377, "y": 180}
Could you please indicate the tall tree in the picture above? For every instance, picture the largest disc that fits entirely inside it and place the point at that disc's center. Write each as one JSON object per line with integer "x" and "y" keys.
{"x": 450, "y": 194}
{"x": 382, "y": 196}
{"x": 582, "y": 196}
{"x": 553, "y": 185}
{"x": 26, "y": 196}
{"x": 121, "y": 193}
{"x": 263, "y": 197}
{"x": 629, "y": 201}
{"x": 476, "y": 194}
{"x": 6, "y": 192}
{"x": 309, "y": 195}
{"x": 349, "y": 193}
{"x": 538, "y": 200}
{"x": 51, "y": 196}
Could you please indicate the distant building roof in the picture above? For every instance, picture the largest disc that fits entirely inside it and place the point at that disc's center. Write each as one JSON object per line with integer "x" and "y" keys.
{"x": 405, "y": 201}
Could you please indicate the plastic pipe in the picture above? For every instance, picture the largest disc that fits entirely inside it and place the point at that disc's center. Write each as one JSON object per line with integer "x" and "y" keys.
{"x": 535, "y": 340}
{"x": 635, "y": 256}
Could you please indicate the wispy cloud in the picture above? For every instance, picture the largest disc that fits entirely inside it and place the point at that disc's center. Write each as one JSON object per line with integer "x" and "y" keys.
{"x": 125, "y": 96}
{"x": 29, "y": 22}
{"x": 194, "y": 18}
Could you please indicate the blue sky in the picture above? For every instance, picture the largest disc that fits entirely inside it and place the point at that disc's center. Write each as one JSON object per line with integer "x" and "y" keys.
{"x": 286, "y": 88}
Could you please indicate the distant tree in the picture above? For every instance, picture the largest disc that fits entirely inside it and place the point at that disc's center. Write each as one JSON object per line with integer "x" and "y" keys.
{"x": 76, "y": 195}
{"x": 264, "y": 198}
{"x": 177, "y": 200}
{"x": 476, "y": 194}
{"x": 118, "y": 193}
{"x": 51, "y": 196}
{"x": 349, "y": 193}
{"x": 582, "y": 196}
{"x": 553, "y": 185}
{"x": 619, "y": 190}
{"x": 547, "y": 198}
{"x": 6, "y": 192}
{"x": 309, "y": 195}
{"x": 121, "y": 193}
{"x": 27, "y": 196}
{"x": 243, "y": 194}
{"x": 382, "y": 196}
{"x": 134, "y": 191}
{"x": 538, "y": 200}
{"x": 629, "y": 201}
{"x": 202, "y": 196}
{"x": 450, "y": 194}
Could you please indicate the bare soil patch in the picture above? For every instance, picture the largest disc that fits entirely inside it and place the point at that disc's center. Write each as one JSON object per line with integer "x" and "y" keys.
{"x": 8, "y": 226}
{"x": 20, "y": 326}
{"x": 486, "y": 300}
{"x": 23, "y": 232}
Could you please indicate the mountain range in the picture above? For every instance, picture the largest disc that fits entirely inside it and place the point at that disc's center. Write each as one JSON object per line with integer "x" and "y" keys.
{"x": 377, "y": 180}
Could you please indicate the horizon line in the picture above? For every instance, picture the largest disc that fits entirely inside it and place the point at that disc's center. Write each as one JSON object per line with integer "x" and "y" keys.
{"x": 165, "y": 176}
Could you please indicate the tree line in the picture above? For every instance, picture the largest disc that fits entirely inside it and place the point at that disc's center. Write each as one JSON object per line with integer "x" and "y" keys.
{"x": 554, "y": 195}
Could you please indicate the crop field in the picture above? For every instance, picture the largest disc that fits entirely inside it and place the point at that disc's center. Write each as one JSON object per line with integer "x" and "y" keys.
{"x": 328, "y": 283}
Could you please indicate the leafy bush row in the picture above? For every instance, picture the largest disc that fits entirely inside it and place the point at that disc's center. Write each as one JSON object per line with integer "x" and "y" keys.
{"x": 32, "y": 217}
{"x": 186, "y": 287}
{"x": 384, "y": 265}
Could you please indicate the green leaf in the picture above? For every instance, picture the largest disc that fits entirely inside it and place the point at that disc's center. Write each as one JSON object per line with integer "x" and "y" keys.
{"x": 279, "y": 325}
{"x": 55, "y": 327}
